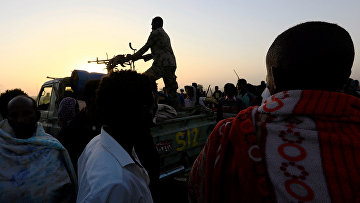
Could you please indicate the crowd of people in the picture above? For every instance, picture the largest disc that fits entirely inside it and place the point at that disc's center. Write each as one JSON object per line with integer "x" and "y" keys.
{"x": 295, "y": 138}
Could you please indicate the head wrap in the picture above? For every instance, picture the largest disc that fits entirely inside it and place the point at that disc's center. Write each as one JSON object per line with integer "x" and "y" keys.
{"x": 67, "y": 109}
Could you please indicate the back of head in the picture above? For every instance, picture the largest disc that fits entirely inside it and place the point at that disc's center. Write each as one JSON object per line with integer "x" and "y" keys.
{"x": 125, "y": 98}
{"x": 157, "y": 22}
{"x": 190, "y": 90}
{"x": 241, "y": 83}
{"x": 311, "y": 55}
{"x": 229, "y": 90}
{"x": 5, "y": 97}
{"x": 90, "y": 91}
{"x": 68, "y": 108}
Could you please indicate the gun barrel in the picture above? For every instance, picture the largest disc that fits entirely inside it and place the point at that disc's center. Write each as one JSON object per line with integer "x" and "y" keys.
{"x": 99, "y": 61}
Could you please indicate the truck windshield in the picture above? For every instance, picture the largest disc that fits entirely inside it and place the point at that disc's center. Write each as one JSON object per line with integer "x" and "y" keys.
{"x": 44, "y": 101}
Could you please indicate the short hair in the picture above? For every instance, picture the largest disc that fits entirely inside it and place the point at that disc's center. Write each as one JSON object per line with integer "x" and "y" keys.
{"x": 190, "y": 90}
{"x": 321, "y": 52}
{"x": 121, "y": 96}
{"x": 158, "y": 20}
{"x": 230, "y": 89}
{"x": 8, "y": 95}
{"x": 241, "y": 82}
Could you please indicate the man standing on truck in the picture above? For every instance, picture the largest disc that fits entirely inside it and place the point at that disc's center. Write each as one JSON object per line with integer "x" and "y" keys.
{"x": 164, "y": 65}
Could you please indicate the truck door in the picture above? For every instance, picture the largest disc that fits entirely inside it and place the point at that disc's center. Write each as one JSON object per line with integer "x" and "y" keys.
{"x": 46, "y": 106}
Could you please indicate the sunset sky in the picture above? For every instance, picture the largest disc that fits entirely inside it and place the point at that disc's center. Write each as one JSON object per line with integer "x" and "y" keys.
{"x": 209, "y": 38}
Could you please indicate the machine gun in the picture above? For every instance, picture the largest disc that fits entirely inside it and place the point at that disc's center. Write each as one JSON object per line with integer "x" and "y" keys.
{"x": 122, "y": 59}
{"x": 111, "y": 64}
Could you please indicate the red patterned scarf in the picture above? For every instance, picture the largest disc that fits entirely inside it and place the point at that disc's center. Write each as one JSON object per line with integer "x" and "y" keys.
{"x": 298, "y": 146}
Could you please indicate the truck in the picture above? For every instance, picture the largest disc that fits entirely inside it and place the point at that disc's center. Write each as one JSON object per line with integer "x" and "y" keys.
{"x": 178, "y": 140}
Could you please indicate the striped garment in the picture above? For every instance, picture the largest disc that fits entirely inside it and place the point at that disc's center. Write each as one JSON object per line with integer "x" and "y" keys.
{"x": 37, "y": 169}
{"x": 298, "y": 146}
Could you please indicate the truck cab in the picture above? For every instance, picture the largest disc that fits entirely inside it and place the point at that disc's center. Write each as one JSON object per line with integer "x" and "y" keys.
{"x": 48, "y": 100}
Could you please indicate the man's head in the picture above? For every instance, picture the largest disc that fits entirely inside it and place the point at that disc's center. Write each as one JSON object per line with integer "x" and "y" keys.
{"x": 156, "y": 23}
{"x": 90, "y": 93}
{"x": 134, "y": 108}
{"x": 216, "y": 88}
{"x": 312, "y": 55}
{"x": 229, "y": 90}
{"x": 190, "y": 91}
{"x": 241, "y": 84}
{"x": 5, "y": 97}
{"x": 23, "y": 116}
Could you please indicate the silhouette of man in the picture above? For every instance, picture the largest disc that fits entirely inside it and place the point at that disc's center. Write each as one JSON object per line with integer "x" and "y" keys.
{"x": 84, "y": 126}
{"x": 217, "y": 94}
{"x": 164, "y": 65}
{"x": 109, "y": 169}
{"x": 5, "y": 97}
{"x": 303, "y": 143}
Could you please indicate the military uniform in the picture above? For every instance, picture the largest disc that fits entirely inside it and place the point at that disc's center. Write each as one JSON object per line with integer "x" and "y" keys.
{"x": 164, "y": 65}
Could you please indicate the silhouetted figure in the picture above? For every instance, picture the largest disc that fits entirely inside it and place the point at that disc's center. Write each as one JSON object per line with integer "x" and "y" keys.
{"x": 182, "y": 97}
{"x": 35, "y": 167}
{"x": 68, "y": 108}
{"x": 164, "y": 65}
{"x": 84, "y": 126}
{"x": 190, "y": 99}
{"x": 5, "y": 97}
{"x": 197, "y": 91}
{"x": 217, "y": 93}
{"x": 258, "y": 93}
{"x": 228, "y": 105}
{"x": 109, "y": 169}
{"x": 243, "y": 94}
{"x": 303, "y": 143}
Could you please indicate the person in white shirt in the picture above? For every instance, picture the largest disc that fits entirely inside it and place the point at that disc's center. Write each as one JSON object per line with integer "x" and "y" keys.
{"x": 109, "y": 169}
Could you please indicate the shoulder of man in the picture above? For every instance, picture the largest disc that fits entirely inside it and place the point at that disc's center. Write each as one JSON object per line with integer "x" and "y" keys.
{"x": 158, "y": 31}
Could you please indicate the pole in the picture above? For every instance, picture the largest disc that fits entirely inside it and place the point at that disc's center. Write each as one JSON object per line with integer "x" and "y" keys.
{"x": 236, "y": 74}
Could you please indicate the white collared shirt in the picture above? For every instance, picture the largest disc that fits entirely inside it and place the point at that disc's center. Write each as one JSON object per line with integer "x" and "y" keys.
{"x": 107, "y": 173}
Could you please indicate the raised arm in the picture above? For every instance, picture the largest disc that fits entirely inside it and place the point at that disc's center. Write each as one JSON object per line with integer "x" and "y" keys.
{"x": 149, "y": 43}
